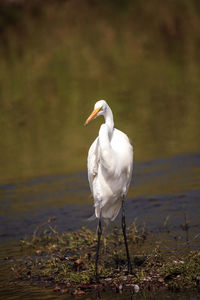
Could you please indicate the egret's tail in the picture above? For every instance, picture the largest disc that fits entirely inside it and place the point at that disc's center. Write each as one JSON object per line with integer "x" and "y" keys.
{"x": 108, "y": 212}
{"x": 92, "y": 218}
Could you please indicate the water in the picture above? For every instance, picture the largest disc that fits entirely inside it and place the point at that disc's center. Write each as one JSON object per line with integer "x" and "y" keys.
{"x": 162, "y": 188}
{"x": 150, "y": 178}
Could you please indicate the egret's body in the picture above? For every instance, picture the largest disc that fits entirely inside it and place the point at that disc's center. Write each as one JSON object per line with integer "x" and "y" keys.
{"x": 110, "y": 162}
{"x": 110, "y": 165}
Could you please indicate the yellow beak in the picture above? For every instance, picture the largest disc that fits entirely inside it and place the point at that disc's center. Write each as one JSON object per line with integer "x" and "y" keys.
{"x": 93, "y": 115}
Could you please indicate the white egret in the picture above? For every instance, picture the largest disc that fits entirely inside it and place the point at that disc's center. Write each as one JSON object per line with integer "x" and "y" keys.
{"x": 110, "y": 165}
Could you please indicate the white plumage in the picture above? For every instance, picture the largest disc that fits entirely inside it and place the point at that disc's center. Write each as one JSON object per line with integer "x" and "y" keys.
{"x": 110, "y": 165}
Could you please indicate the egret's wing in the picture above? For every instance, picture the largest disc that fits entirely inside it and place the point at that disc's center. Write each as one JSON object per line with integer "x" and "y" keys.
{"x": 129, "y": 170}
{"x": 124, "y": 150}
{"x": 93, "y": 162}
{"x": 129, "y": 164}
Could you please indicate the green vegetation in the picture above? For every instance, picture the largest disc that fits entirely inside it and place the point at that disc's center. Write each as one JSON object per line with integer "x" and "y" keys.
{"x": 58, "y": 57}
{"x": 66, "y": 262}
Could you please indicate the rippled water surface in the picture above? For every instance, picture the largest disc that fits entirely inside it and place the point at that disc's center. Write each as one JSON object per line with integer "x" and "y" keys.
{"x": 164, "y": 188}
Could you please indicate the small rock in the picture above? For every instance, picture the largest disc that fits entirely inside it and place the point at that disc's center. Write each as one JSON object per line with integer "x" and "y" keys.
{"x": 136, "y": 288}
{"x": 52, "y": 247}
{"x": 64, "y": 291}
{"x": 57, "y": 288}
{"x": 78, "y": 293}
{"x": 38, "y": 251}
{"x": 124, "y": 278}
{"x": 176, "y": 262}
{"x": 78, "y": 264}
{"x": 108, "y": 279}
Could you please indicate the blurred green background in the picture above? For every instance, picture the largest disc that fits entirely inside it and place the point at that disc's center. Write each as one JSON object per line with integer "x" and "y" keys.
{"x": 57, "y": 58}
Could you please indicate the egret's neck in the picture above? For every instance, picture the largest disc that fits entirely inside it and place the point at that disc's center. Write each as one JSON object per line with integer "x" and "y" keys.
{"x": 108, "y": 116}
{"x": 105, "y": 137}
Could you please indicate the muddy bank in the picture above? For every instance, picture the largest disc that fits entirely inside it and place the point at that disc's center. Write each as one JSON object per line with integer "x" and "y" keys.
{"x": 65, "y": 262}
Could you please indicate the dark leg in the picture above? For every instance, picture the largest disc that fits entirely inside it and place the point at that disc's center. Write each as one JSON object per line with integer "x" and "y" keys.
{"x": 125, "y": 238}
{"x": 99, "y": 232}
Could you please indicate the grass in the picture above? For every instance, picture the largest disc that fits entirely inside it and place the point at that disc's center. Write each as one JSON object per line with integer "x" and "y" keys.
{"x": 66, "y": 262}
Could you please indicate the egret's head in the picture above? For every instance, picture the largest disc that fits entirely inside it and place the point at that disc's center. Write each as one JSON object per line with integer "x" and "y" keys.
{"x": 99, "y": 109}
